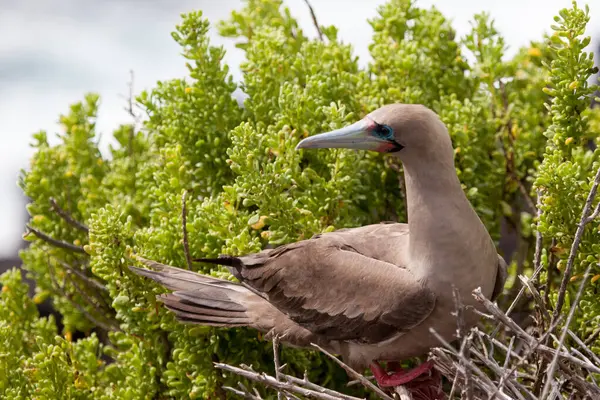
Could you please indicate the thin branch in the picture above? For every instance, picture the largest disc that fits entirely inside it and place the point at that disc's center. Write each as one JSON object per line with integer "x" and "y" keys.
{"x": 466, "y": 362}
{"x": 242, "y": 393}
{"x": 353, "y": 374}
{"x": 92, "y": 302}
{"x": 531, "y": 350}
{"x": 524, "y": 192}
{"x": 314, "y": 18}
{"x": 67, "y": 217}
{"x": 536, "y": 296}
{"x": 537, "y": 261}
{"x": 107, "y": 327}
{"x": 573, "y": 378}
{"x": 506, "y": 363}
{"x": 308, "y": 384}
{"x": 553, "y": 260}
{"x": 55, "y": 242}
{"x": 582, "y": 356}
{"x": 584, "y": 347}
{"x": 514, "y": 385}
{"x": 274, "y": 383}
{"x": 530, "y": 340}
{"x": 594, "y": 214}
{"x": 186, "y": 245}
{"x": 82, "y": 276}
{"x": 498, "y": 344}
{"x": 276, "y": 361}
{"x": 464, "y": 347}
{"x": 575, "y": 246}
{"x": 563, "y": 335}
{"x": 130, "y": 98}
{"x": 448, "y": 367}
{"x": 592, "y": 337}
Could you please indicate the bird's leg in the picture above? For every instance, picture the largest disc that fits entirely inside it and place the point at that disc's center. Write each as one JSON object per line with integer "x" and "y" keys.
{"x": 394, "y": 366}
{"x": 399, "y": 377}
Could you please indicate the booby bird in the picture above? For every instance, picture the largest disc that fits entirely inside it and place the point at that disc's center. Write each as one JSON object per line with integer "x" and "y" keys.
{"x": 372, "y": 293}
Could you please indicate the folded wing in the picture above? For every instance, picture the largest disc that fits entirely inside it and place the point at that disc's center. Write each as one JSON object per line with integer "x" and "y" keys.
{"x": 328, "y": 286}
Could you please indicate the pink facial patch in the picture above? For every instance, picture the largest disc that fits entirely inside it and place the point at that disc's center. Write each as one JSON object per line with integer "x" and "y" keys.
{"x": 386, "y": 147}
{"x": 370, "y": 123}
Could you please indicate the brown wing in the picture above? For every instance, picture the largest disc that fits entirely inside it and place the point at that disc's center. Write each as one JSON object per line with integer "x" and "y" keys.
{"x": 385, "y": 241}
{"x": 330, "y": 286}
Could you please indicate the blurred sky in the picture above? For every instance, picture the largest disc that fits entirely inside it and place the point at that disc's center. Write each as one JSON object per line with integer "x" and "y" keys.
{"x": 53, "y": 51}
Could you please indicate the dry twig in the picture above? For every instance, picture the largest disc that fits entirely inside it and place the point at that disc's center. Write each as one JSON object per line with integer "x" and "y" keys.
{"x": 314, "y": 19}
{"x": 353, "y": 374}
{"x": 111, "y": 326}
{"x": 67, "y": 217}
{"x": 276, "y": 361}
{"x": 55, "y": 242}
{"x": 286, "y": 387}
{"x": 585, "y": 219}
{"x": 563, "y": 335}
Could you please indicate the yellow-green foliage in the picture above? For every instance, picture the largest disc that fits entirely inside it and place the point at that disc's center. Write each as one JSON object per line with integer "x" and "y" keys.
{"x": 568, "y": 168}
{"x": 247, "y": 187}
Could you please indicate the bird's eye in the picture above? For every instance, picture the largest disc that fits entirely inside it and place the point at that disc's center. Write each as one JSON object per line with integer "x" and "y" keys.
{"x": 384, "y": 131}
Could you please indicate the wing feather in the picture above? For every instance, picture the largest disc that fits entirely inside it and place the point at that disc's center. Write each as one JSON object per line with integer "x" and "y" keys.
{"x": 347, "y": 285}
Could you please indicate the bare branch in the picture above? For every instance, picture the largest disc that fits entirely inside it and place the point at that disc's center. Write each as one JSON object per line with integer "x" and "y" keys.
{"x": 465, "y": 345}
{"x": 276, "y": 361}
{"x": 242, "y": 393}
{"x": 274, "y": 383}
{"x": 353, "y": 374}
{"x": 530, "y": 341}
{"x": 467, "y": 363}
{"x": 86, "y": 313}
{"x": 563, "y": 335}
{"x": 594, "y": 214}
{"x": 314, "y": 18}
{"x": 67, "y": 217}
{"x": 536, "y": 296}
{"x": 537, "y": 262}
{"x": 592, "y": 337}
{"x": 55, "y": 242}
{"x": 575, "y": 246}
{"x": 514, "y": 385}
{"x": 82, "y": 276}
{"x": 582, "y": 356}
{"x": 584, "y": 347}
{"x": 308, "y": 384}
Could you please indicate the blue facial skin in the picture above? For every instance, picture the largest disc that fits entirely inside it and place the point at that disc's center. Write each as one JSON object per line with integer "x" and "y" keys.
{"x": 387, "y": 133}
{"x": 384, "y": 132}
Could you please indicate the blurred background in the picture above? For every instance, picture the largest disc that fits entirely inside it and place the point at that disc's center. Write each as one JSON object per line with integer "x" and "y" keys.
{"x": 53, "y": 51}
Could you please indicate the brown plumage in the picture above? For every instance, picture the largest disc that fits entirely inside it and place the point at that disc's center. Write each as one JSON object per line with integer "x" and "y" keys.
{"x": 370, "y": 293}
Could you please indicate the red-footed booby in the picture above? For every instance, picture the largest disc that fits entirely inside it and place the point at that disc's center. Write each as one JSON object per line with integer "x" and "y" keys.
{"x": 371, "y": 293}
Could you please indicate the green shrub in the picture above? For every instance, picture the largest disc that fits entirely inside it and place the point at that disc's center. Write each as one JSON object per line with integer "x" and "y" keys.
{"x": 246, "y": 186}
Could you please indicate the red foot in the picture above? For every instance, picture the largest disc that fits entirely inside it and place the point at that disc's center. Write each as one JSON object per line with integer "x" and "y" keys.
{"x": 421, "y": 386}
{"x": 394, "y": 366}
{"x": 399, "y": 377}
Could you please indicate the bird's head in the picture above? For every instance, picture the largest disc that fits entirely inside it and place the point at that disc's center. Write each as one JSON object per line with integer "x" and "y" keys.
{"x": 394, "y": 129}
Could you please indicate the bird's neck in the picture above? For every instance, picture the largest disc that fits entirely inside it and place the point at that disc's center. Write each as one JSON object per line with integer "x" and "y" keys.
{"x": 441, "y": 220}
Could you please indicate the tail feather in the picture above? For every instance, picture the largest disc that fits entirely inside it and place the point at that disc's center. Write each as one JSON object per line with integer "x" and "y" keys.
{"x": 199, "y": 318}
{"x": 173, "y": 302}
{"x": 199, "y": 298}
{"x": 204, "y": 299}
